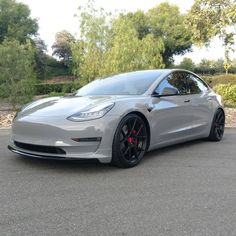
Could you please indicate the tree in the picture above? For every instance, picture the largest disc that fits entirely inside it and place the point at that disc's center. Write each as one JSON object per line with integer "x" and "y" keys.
{"x": 131, "y": 41}
{"x": 163, "y": 21}
{"x": 128, "y": 52}
{"x": 211, "y": 18}
{"x": 187, "y": 64}
{"x": 152, "y": 49}
{"x": 88, "y": 51}
{"x": 123, "y": 53}
{"x": 140, "y": 22}
{"x": 205, "y": 67}
{"x": 15, "y": 21}
{"x": 62, "y": 47}
{"x": 218, "y": 65}
{"x": 40, "y": 57}
{"x": 166, "y": 22}
{"x": 112, "y": 46}
{"x": 205, "y": 63}
{"x": 17, "y": 75}
{"x": 87, "y": 61}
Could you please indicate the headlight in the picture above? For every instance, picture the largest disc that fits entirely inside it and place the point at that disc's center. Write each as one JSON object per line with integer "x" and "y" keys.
{"x": 92, "y": 113}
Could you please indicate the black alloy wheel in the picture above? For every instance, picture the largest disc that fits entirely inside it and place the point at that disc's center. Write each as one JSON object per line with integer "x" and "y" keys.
{"x": 130, "y": 141}
{"x": 218, "y": 126}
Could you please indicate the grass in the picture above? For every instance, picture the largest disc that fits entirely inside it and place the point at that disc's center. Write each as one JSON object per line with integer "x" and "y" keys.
{"x": 220, "y": 79}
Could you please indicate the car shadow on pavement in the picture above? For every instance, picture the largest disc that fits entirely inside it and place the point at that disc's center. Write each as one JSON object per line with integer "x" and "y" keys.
{"x": 94, "y": 165}
{"x": 61, "y": 165}
{"x": 172, "y": 149}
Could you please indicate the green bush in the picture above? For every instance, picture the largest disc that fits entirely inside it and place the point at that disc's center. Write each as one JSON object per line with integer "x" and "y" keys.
{"x": 55, "y": 68}
{"x": 228, "y": 92}
{"x": 17, "y": 77}
{"x": 55, "y": 94}
{"x": 232, "y": 69}
{"x": 54, "y": 71}
{"x": 42, "y": 89}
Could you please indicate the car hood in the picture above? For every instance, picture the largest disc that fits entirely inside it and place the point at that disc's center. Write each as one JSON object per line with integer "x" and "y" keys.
{"x": 63, "y": 106}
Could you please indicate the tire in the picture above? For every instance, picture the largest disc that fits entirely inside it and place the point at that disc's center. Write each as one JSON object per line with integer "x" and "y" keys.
{"x": 130, "y": 142}
{"x": 217, "y": 127}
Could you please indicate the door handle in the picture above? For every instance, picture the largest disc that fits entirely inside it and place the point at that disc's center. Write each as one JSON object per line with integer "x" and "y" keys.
{"x": 187, "y": 101}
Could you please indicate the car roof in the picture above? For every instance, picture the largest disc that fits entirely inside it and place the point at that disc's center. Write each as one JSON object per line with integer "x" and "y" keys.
{"x": 161, "y": 74}
{"x": 151, "y": 72}
{"x": 157, "y": 71}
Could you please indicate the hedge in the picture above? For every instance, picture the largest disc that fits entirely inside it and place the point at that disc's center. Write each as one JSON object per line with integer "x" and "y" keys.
{"x": 228, "y": 92}
{"x": 220, "y": 79}
{"x": 43, "y": 88}
{"x": 212, "y": 71}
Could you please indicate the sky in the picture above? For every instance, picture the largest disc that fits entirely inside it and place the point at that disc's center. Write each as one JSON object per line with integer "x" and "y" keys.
{"x": 57, "y": 15}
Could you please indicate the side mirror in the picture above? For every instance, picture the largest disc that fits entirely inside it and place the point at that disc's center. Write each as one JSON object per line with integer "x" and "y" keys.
{"x": 167, "y": 91}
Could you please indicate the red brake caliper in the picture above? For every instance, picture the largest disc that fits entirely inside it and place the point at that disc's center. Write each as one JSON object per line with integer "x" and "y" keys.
{"x": 131, "y": 139}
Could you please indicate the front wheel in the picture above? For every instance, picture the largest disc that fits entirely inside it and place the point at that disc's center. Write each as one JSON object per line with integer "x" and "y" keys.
{"x": 130, "y": 142}
{"x": 217, "y": 127}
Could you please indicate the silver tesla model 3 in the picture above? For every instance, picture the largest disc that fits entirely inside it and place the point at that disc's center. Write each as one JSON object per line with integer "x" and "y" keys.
{"x": 119, "y": 118}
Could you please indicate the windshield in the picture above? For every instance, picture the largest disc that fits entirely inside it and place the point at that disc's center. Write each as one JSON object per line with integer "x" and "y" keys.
{"x": 133, "y": 83}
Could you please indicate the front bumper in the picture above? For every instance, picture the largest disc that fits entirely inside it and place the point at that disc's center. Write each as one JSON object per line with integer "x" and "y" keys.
{"x": 51, "y": 132}
{"x": 42, "y": 156}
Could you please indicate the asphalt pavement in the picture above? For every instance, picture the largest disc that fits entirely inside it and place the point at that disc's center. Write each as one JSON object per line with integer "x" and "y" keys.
{"x": 187, "y": 189}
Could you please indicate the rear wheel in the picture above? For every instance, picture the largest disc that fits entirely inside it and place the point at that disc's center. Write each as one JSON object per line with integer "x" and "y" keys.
{"x": 217, "y": 127}
{"x": 130, "y": 142}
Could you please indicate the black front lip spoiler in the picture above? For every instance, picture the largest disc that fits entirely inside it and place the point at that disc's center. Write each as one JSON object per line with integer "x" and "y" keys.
{"x": 27, "y": 154}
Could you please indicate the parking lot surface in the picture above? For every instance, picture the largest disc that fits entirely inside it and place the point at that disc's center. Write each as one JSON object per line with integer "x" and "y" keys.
{"x": 187, "y": 189}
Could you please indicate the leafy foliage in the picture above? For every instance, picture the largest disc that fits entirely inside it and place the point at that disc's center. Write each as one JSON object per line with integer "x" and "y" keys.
{"x": 206, "y": 66}
{"x": 15, "y": 21}
{"x": 40, "y": 57}
{"x": 140, "y": 22}
{"x": 88, "y": 51}
{"x": 44, "y": 88}
{"x": 17, "y": 76}
{"x": 56, "y": 94}
{"x": 187, "y": 64}
{"x": 128, "y": 52}
{"x": 220, "y": 79}
{"x": 213, "y": 67}
{"x": 228, "y": 92}
{"x": 62, "y": 47}
{"x": 55, "y": 68}
{"x": 110, "y": 45}
{"x": 166, "y": 21}
{"x": 210, "y": 18}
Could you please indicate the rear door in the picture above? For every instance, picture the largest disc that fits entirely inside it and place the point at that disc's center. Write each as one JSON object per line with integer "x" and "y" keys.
{"x": 202, "y": 103}
{"x": 172, "y": 115}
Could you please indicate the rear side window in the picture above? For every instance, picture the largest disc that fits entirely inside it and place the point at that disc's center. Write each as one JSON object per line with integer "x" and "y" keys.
{"x": 196, "y": 85}
{"x": 177, "y": 81}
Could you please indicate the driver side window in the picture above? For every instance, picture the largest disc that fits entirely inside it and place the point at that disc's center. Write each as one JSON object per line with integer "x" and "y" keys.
{"x": 174, "y": 84}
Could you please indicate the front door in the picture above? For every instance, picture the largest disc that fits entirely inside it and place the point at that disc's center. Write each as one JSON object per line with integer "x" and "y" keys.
{"x": 172, "y": 114}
